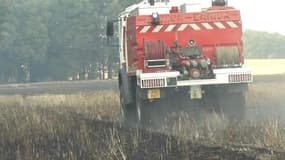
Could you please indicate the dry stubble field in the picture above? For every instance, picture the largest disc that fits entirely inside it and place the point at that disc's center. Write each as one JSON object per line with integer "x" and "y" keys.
{"x": 266, "y": 66}
{"x": 86, "y": 126}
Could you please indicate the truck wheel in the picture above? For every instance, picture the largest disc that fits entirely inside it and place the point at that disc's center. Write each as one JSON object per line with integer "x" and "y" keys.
{"x": 233, "y": 106}
{"x": 128, "y": 112}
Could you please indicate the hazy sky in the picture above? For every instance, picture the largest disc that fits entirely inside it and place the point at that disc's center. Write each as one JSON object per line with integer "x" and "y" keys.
{"x": 261, "y": 15}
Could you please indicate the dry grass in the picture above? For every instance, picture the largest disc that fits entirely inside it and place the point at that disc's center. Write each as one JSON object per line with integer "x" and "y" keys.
{"x": 59, "y": 127}
{"x": 66, "y": 127}
{"x": 215, "y": 129}
{"x": 263, "y": 127}
{"x": 266, "y": 66}
{"x": 92, "y": 106}
{"x": 266, "y": 94}
{"x": 51, "y": 127}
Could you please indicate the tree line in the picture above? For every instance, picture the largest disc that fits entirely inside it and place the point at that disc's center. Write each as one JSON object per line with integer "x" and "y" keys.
{"x": 263, "y": 45}
{"x": 44, "y": 40}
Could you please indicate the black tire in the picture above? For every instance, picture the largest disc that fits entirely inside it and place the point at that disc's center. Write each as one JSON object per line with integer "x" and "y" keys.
{"x": 128, "y": 111}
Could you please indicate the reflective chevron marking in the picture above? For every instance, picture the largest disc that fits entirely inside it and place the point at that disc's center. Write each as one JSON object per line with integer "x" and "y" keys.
{"x": 182, "y": 27}
{"x": 232, "y": 24}
{"x": 207, "y": 26}
{"x": 220, "y": 25}
{"x": 157, "y": 28}
{"x": 170, "y": 28}
{"x": 145, "y": 29}
{"x": 193, "y": 26}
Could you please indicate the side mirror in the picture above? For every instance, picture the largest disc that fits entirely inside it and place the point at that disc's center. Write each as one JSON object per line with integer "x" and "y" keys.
{"x": 110, "y": 29}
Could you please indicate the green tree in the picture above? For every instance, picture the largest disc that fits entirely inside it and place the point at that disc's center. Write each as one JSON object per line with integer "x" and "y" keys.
{"x": 25, "y": 40}
{"x": 55, "y": 39}
{"x": 4, "y": 8}
{"x": 264, "y": 45}
{"x": 72, "y": 28}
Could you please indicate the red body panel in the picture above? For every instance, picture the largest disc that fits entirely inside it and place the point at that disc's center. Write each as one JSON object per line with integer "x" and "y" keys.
{"x": 220, "y": 26}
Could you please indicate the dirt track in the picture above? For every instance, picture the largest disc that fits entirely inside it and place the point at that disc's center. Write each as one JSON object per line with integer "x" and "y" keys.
{"x": 269, "y": 78}
{"x": 89, "y": 86}
{"x": 58, "y": 87}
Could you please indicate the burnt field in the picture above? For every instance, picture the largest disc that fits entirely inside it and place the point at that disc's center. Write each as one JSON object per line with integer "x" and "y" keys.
{"x": 87, "y": 126}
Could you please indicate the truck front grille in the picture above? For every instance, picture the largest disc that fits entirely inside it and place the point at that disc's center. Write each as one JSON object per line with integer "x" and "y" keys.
{"x": 240, "y": 78}
{"x": 153, "y": 83}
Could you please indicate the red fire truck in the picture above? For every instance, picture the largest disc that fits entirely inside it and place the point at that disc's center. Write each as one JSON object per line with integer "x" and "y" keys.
{"x": 176, "y": 53}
